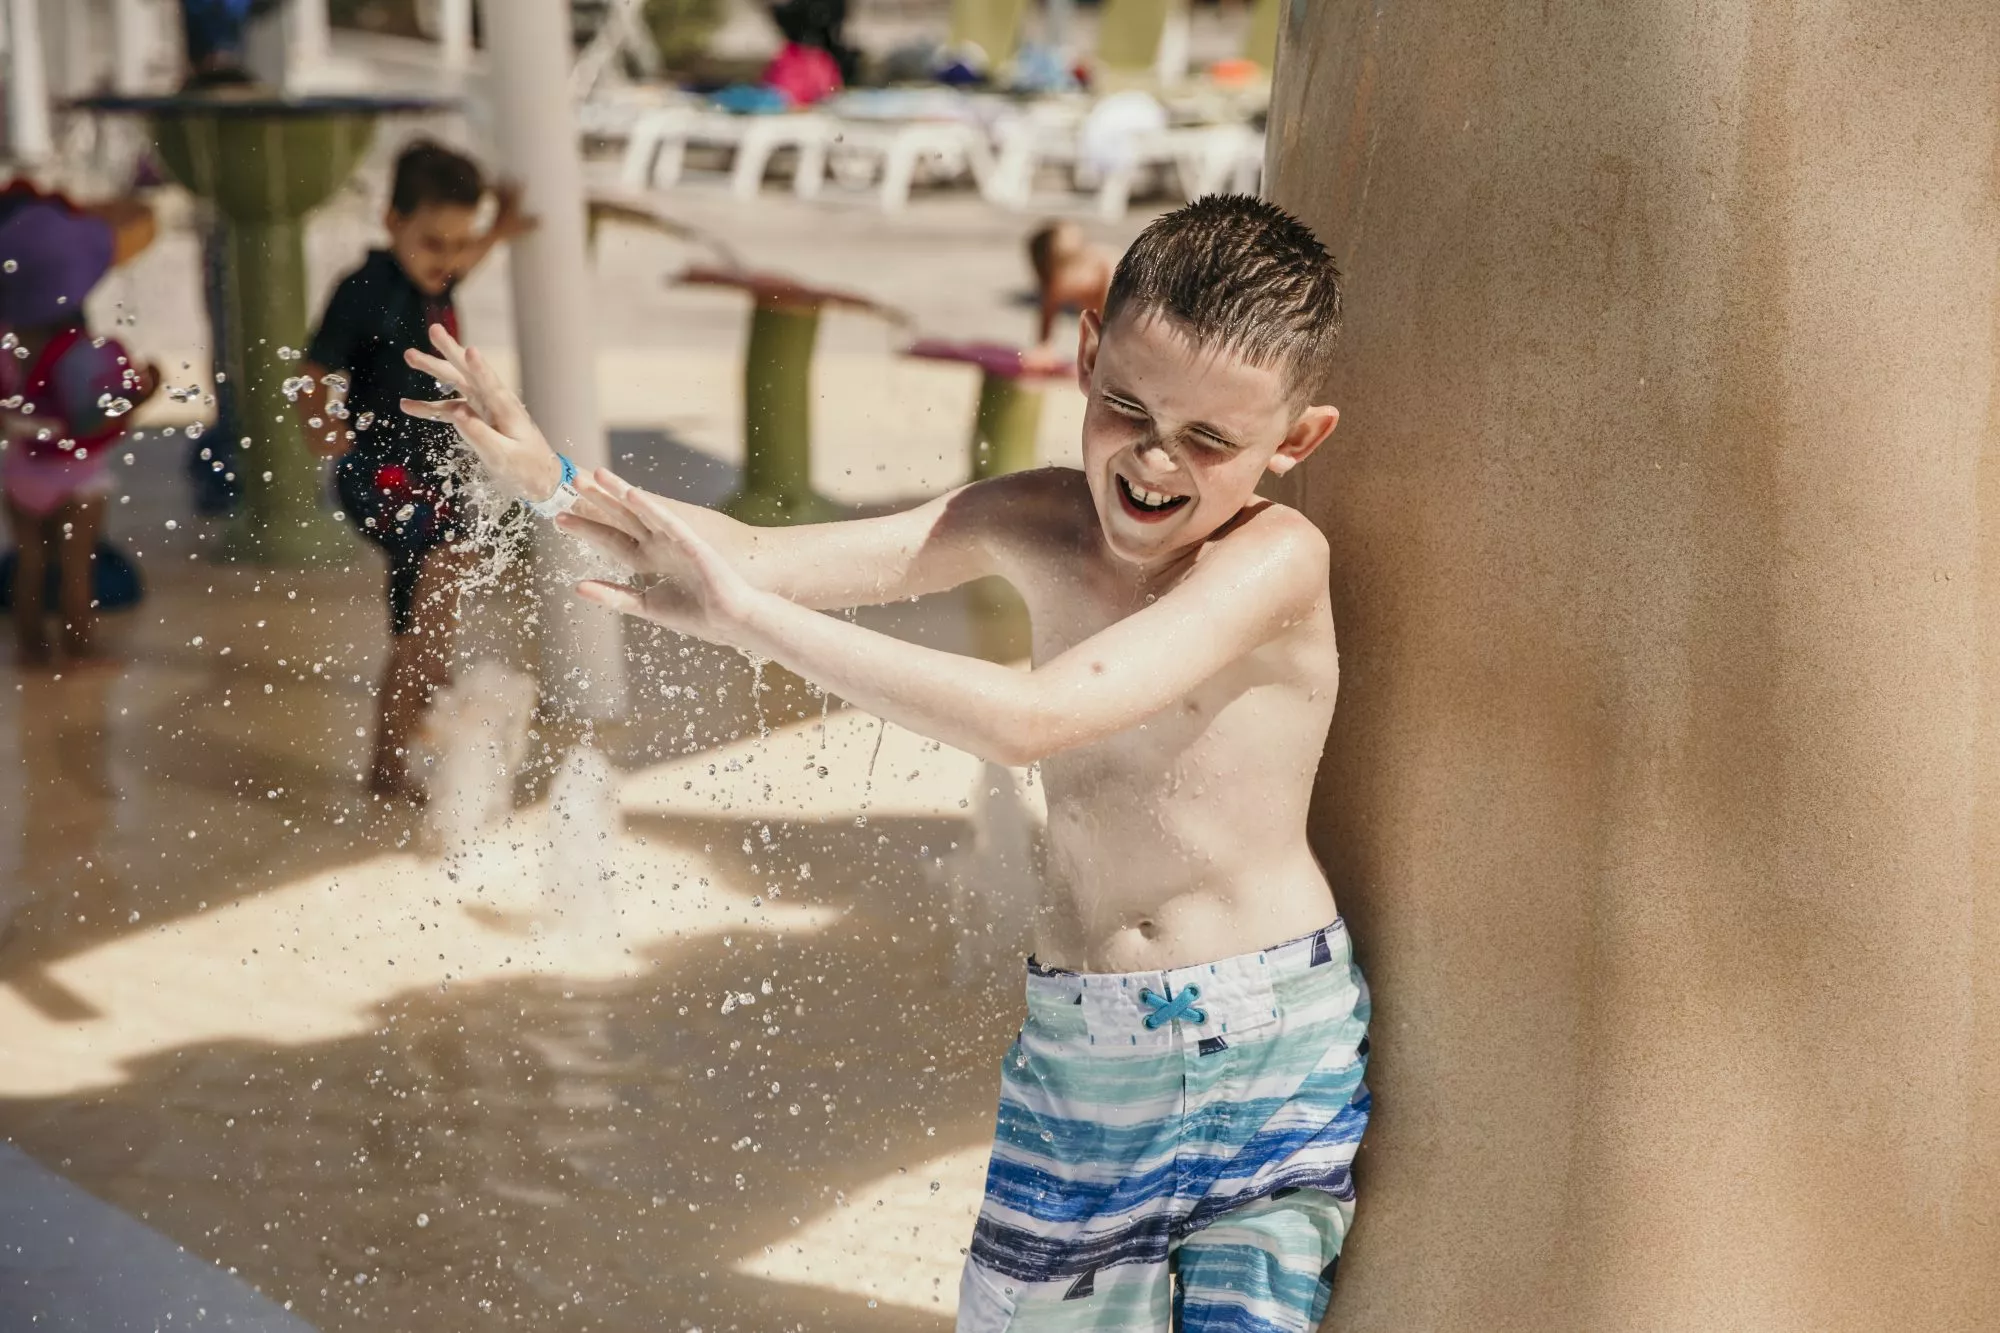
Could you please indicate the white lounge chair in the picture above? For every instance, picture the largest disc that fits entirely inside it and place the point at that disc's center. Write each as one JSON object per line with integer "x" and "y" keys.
{"x": 657, "y": 150}
{"x": 949, "y": 148}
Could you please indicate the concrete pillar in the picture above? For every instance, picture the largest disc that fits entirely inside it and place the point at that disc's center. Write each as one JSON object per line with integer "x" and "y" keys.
{"x": 1664, "y": 790}
{"x": 455, "y": 36}
{"x": 528, "y": 44}
{"x": 308, "y": 41}
{"x": 72, "y": 44}
{"x": 133, "y": 36}
{"x": 30, "y": 134}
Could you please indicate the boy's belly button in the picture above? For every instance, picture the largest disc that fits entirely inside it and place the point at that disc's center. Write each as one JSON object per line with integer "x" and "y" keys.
{"x": 1148, "y": 929}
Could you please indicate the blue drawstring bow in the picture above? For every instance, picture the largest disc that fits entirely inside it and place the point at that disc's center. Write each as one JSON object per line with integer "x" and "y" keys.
{"x": 1181, "y": 1006}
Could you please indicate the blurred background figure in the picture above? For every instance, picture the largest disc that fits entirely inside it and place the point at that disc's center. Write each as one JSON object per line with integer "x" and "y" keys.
{"x": 68, "y": 394}
{"x": 399, "y": 478}
{"x": 1071, "y": 274}
{"x": 217, "y": 36}
{"x": 819, "y": 25}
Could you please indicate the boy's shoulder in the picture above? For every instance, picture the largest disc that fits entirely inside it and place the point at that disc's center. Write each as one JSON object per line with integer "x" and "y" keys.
{"x": 1272, "y": 540}
{"x": 1037, "y": 503}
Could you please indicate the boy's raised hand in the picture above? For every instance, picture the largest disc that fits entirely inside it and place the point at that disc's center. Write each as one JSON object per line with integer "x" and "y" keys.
{"x": 510, "y": 221}
{"x": 488, "y": 415}
{"x": 693, "y": 589}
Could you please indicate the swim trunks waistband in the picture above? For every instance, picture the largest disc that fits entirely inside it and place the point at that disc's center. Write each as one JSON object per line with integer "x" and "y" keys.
{"x": 1231, "y": 995}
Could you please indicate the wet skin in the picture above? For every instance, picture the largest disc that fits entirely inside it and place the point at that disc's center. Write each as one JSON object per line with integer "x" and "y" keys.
{"x": 1184, "y": 666}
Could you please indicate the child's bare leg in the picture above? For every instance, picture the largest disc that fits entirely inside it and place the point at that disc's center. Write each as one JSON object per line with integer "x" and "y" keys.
{"x": 73, "y": 532}
{"x": 31, "y": 573}
{"x": 419, "y": 663}
{"x": 396, "y": 719}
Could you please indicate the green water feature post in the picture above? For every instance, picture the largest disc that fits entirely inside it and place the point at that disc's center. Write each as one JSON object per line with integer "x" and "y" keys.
{"x": 266, "y": 162}
{"x": 1006, "y": 431}
{"x": 777, "y": 419}
{"x": 776, "y": 487}
{"x": 1005, "y": 426}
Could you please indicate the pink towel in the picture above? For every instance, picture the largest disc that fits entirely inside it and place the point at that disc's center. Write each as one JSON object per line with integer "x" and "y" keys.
{"x": 804, "y": 74}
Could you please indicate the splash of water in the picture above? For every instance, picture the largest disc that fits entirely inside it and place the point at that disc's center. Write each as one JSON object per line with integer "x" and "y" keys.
{"x": 580, "y": 877}
{"x": 474, "y": 742}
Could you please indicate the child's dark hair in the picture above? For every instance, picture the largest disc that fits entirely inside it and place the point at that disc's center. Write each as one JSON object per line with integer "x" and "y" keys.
{"x": 1238, "y": 273}
{"x": 429, "y": 173}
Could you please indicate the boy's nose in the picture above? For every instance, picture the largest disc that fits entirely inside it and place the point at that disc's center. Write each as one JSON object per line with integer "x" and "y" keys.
{"x": 1157, "y": 454}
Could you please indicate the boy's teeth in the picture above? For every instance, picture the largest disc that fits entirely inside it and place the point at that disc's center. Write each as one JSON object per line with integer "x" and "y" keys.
{"x": 1151, "y": 499}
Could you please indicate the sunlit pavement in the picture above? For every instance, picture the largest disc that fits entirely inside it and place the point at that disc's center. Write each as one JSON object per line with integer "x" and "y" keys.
{"x": 726, "y": 1084}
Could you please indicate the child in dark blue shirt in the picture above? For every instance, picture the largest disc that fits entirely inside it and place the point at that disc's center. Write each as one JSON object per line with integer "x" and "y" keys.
{"x": 394, "y": 471}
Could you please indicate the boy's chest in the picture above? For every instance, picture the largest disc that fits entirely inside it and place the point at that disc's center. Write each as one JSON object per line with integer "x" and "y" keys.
{"x": 402, "y": 323}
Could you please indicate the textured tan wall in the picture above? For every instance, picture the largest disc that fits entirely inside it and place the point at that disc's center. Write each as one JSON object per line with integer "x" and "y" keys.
{"x": 1665, "y": 512}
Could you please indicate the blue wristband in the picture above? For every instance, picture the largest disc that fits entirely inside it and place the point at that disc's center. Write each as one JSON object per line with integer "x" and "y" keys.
{"x": 565, "y": 496}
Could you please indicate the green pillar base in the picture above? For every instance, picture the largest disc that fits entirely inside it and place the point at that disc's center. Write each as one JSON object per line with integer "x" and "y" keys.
{"x": 775, "y": 509}
{"x": 1129, "y": 33}
{"x": 1261, "y": 45}
{"x": 994, "y": 25}
{"x": 1005, "y": 428}
{"x": 777, "y": 420}
{"x": 265, "y": 174}
{"x": 1001, "y": 631}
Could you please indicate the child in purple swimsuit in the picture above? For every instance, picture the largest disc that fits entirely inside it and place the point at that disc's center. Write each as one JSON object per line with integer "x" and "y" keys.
{"x": 64, "y": 400}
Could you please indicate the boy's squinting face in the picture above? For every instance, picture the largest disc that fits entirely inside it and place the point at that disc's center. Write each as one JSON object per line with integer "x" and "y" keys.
{"x": 1176, "y": 437}
{"x": 432, "y": 243}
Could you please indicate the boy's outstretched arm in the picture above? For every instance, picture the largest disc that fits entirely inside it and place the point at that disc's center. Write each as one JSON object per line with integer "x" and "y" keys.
{"x": 926, "y": 549}
{"x": 1265, "y": 577}
{"x": 509, "y": 222}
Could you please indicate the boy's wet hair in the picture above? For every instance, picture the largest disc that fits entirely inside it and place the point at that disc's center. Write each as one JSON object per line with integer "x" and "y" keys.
{"x": 429, "y": 173}
{"x": 1236, "y": 273}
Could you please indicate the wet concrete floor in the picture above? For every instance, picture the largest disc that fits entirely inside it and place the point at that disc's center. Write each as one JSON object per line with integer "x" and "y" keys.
{"x": 397, "y": 1085}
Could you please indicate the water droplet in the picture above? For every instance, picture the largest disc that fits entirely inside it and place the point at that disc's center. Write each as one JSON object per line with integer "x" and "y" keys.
{"x": 194, "y": 431}
{"x": 423, "y": 1219}
{"x": 10, "y": 266}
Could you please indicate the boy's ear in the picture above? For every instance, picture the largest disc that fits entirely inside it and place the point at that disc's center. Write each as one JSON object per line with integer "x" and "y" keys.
{"x": 1307, "y": 433}
{"x": 1090, "y": 331}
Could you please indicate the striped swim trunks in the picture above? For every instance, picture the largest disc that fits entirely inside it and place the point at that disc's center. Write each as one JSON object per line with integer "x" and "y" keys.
{"x": 1174, "y": 1149}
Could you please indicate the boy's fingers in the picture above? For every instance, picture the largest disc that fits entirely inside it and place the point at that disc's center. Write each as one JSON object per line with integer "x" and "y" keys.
{"x": 624, "y": 496}
{"x": 435, "y": 366}
{"x": 603, "y": 537}
{"x": 614, "y": 595}
{"x": 484, "y": 438}
{"x": 457, "y": 412}
{"x": 434, "y": 409}
{"x": 661, "y": 518}
{"x": 610, "y": 514}
{"x": 449, "y": 347}
{"x": 486, "y": 381}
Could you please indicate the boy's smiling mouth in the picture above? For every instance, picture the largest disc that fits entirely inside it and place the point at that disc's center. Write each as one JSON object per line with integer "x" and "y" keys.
{"x": 1145, "y": 504}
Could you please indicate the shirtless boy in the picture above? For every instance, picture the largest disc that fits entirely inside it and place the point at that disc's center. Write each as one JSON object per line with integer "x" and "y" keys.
{"x": 1181, "y": 1109}
{"x": 1071, "y": 273}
